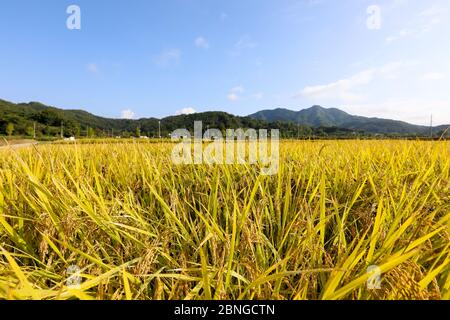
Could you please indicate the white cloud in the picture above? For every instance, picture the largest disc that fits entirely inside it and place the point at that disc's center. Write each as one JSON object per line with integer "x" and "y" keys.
{"x": 435, "y": 14}
{"x": 402, "y": 34}
{"x": 238, "y": 89}
{"x": 186, "y": 111}
{"x": 391, "y": 39}
{"x": 340, "y": 89}
{"x": 372, "y": 93}
{"x": 399, "y": 3}
{"x": 233, "y": 97}
{"x": 424, "y": 22}
{"x": 414, "y": 111}
{"x": 127, "y": 114}
{"x": 201, "y": 42}
{"x": 238, "y": 93}
{"x": 432, "y": 17}
{"x": 93, "y": 68}
{"x": 393, "y": 70}
{"x": 343, "y": 90}
{"x": 235, "y": 93}
{"x": 244, "y": 43}
{"x": 168, "y": 57}
{"x": 432, "y": 76}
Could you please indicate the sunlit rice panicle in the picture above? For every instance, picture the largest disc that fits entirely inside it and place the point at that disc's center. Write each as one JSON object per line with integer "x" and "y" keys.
{"x": 137, "y": 226}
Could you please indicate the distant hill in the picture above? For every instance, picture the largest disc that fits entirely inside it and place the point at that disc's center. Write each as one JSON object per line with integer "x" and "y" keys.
{"x": 313, "y": 122}
{"x": 49, "y": 120}
{"x": 318, "y": 116}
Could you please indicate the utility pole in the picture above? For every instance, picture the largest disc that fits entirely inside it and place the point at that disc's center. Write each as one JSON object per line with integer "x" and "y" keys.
{"x": 34, "y": 130}
{"x": 62, "y": 129}
{"x": 159, "y": 129}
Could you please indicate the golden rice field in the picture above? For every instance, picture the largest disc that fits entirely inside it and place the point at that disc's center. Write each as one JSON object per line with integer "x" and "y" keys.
{"x": 140, "y": 227}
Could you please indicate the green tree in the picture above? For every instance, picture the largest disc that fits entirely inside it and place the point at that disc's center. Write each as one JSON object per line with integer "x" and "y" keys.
{"x": 91, "y": 132}
{"x": 72, "y": 129}
{"x": 138, "y": 132}
{"x": 30, "y": 131}
{"x": 50, "y": 117}
{"x": 9, "y": 129}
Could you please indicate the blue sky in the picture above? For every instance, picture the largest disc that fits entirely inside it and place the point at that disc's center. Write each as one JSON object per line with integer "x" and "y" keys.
{"x": 156, "y": 58}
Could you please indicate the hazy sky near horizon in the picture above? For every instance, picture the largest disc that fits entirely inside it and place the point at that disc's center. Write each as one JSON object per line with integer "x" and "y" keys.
{"x": 156, "y": 58}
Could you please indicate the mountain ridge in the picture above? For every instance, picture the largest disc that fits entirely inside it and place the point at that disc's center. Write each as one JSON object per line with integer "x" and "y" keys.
{"x": 318, "y": 116}
{"x": 316, "y": 120}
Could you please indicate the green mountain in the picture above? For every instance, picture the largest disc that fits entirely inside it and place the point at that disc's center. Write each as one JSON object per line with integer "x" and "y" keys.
{"x": 318, "y": 116}
{"x": 21, "y": 119}
{"x": 49, "y": 121}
